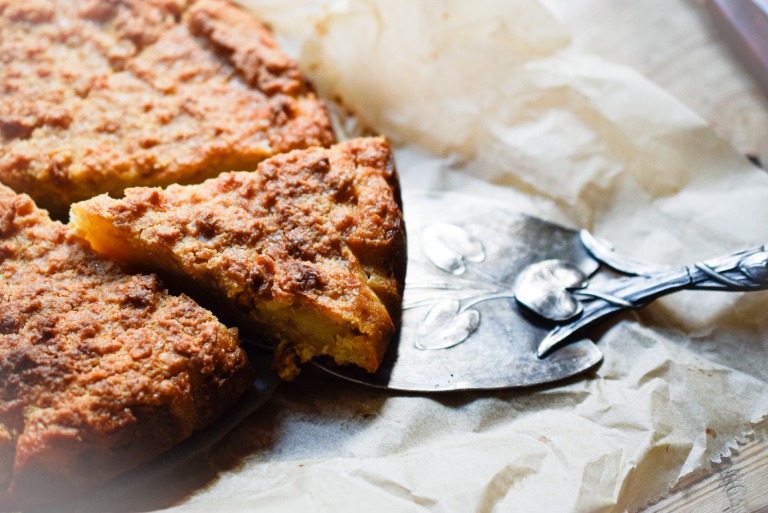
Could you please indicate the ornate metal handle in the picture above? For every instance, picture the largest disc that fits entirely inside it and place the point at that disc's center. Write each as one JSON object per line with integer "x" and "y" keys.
{"x": 555, "y": 291}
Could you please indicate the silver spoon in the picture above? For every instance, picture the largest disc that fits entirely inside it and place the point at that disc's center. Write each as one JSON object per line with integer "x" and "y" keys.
{"x": 498, "y": 299}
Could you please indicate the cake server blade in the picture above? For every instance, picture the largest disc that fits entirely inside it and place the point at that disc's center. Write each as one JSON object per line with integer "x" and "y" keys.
{"x": 462, "y": 328}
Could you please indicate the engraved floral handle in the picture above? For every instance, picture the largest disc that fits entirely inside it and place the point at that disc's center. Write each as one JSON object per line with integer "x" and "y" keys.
{"x": 742, "y": 271}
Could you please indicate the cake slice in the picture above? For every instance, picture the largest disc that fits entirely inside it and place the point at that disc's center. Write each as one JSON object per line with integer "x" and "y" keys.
{"x": 308, "y": 252}
{"x": 99, "y": 370}
{"x": 100, "y": 95}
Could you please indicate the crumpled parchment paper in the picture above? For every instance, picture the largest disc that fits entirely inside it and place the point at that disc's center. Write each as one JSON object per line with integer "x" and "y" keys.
{"x": 491, "y": 98}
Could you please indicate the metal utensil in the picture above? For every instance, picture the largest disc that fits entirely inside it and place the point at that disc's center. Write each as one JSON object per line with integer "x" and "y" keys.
{"x": 497, "y": 299}
{"x": 742, "y": 271}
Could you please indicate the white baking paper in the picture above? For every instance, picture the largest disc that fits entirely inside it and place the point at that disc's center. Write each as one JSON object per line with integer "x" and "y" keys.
{"x": 491, "y": 98}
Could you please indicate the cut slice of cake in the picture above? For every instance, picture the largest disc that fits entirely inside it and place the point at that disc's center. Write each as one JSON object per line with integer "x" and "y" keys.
{"x": 99, "y": 370}
{"x": 308, "y": 251}
{"x": 100, "y": 95}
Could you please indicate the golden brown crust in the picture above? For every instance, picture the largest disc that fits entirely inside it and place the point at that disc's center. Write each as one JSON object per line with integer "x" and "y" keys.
{"x": 99, "y": 370}
{"x": 99, "y": 95}
{"x": 310, "y": 248}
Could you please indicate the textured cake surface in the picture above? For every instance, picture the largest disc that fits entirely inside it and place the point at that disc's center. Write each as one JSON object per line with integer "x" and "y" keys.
{"x": 99, "y": 95}
{"x": 99, "y": 370}
{"x": 308, "y": 251}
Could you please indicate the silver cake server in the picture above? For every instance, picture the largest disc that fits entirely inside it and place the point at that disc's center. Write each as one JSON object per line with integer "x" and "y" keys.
{"x": 497, "y": 299}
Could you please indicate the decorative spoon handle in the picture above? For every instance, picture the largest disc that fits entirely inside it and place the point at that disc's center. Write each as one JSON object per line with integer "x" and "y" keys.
{"x": 742, "y": 271}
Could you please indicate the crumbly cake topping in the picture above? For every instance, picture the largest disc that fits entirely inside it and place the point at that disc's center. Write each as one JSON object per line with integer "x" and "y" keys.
{"x": 98, "y": 95}
{"x": 99, "y": 370}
